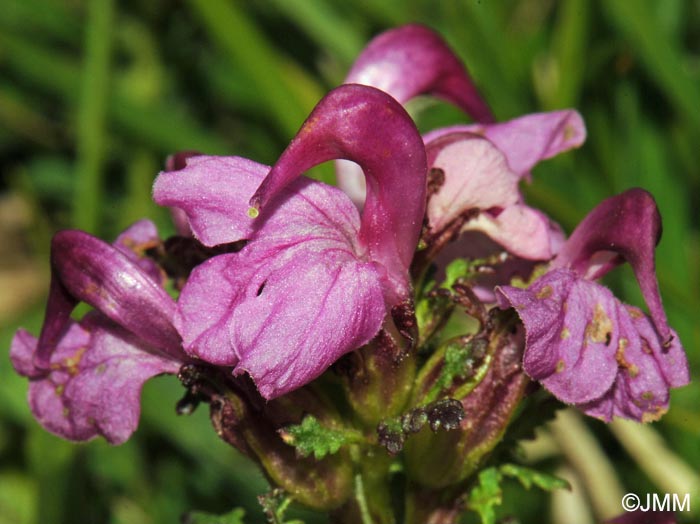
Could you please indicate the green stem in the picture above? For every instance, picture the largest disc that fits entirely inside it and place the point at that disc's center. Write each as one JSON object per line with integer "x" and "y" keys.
{"x": 92, "y": 114}
{"x": 361, "y": 500}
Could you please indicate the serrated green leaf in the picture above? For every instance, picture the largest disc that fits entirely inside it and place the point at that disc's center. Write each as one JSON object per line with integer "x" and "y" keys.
{"x": 311, "y": 437}
{"x": 486, "y": 495}
{"x": 529, "y": 477}
{"x": 198, "y": 517}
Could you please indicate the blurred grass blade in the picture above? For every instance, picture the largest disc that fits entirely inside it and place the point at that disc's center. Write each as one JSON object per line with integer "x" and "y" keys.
{"x": 326, "y": 26}
{"x": 42, "y": 18}
{"x": 158, "y": 124}
{"x": 663, "y": 60}
{"x": 249, "y": 50}
{"x": 570, "y": 49}
{"x": 92, "y": 115}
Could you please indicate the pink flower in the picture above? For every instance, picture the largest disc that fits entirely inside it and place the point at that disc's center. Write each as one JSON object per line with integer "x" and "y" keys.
{"x": 481, "y": 164}
{"x": 86, "y": 377}
{"x": 585, "y": 346}
{"x": 315, "y": 280}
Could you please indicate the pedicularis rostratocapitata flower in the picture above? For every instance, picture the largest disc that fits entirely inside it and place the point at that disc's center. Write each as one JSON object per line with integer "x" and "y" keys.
{"x": 281, "y": 280}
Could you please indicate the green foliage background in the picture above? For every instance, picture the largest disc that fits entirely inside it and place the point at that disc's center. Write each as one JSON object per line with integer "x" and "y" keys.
{"x": 95, "y": 93}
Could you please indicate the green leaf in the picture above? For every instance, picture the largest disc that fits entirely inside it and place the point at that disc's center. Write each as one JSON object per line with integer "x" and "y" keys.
{"x": 530, "y": 477}
{"x": 486, "y": 495}
{"x": 198, "y": 517}
{"x": 311, "y": 437}
{"x": 455, "y": 270}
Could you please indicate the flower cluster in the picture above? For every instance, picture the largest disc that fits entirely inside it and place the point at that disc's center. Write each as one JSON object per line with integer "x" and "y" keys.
{"x": 280, "y": 278}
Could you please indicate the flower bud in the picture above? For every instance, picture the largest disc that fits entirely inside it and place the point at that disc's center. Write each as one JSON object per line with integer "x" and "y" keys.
{"x": 378, "y": 379}
{"x": 244, "y": 420}
{"x": 489, "y": 394}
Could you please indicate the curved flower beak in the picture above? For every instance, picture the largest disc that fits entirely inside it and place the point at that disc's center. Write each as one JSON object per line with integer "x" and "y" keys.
{"x": 406, "y": 62}
{"x": 84, "y": 268}
{"x": 413, "y": 60}
{"x": 625, "y": 227}
{"x": 366, "y": 126}
{"x": 584, "y": 345}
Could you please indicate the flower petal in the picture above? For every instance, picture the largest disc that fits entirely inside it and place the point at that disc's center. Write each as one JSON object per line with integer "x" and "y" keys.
{"x": 529, "y": 139}
{"x": 210, "y": 190}
{"x": 334, "y": 302}
{"x": 647, "y": 371}
{"x": 134, "y": 241}
{"x": 476, "y": 177}
{"x": 413, "y": 60}
{"x": 367, "y": 126}
{"x": 522, "y": 231}
{"x": 590, "y": 350}
{"x": 94, "y": 383}
{"x": 88, "y": 269}
{"x": 628, "y": 225}
{"x": 570, "y": 334}
{"x": 205, "y": 307}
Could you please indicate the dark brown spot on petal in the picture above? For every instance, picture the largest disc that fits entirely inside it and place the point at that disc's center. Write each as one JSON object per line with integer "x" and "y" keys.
{"x": 599, "y": 329}
{"x": 569, "y": 132}
{"x": 545, "y": 292}
{"x": 635, "y": 313}
{"x": 632, "y": 369}
{"x": 70, "y": 364}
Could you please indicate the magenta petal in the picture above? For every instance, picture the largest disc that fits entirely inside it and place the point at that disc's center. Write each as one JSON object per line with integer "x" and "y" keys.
{"x": 94, "y": 384}
{"x": 521, "y": 230}
{"x": 529, "y": 139}
{"x": 99, "y": 274}
{"x": 286, "y": 316}
{"x": 571, "y": 334}
{"x": 205, "y": 306}
{"x": 176, "y": 162}
{"x": 297, "y": 297}
{"x": 412, "y": 60}
{"x": 629, "y": 225}
{"x": 134, "y": 241}
{"x": 299, "y": 318}
{"x": 367, "y": 126}
{"x": 476, "y": 177}
{"x": 647, "y": 371}
{"x": 590, "y": 350}
{"x": 212, "y": 191}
